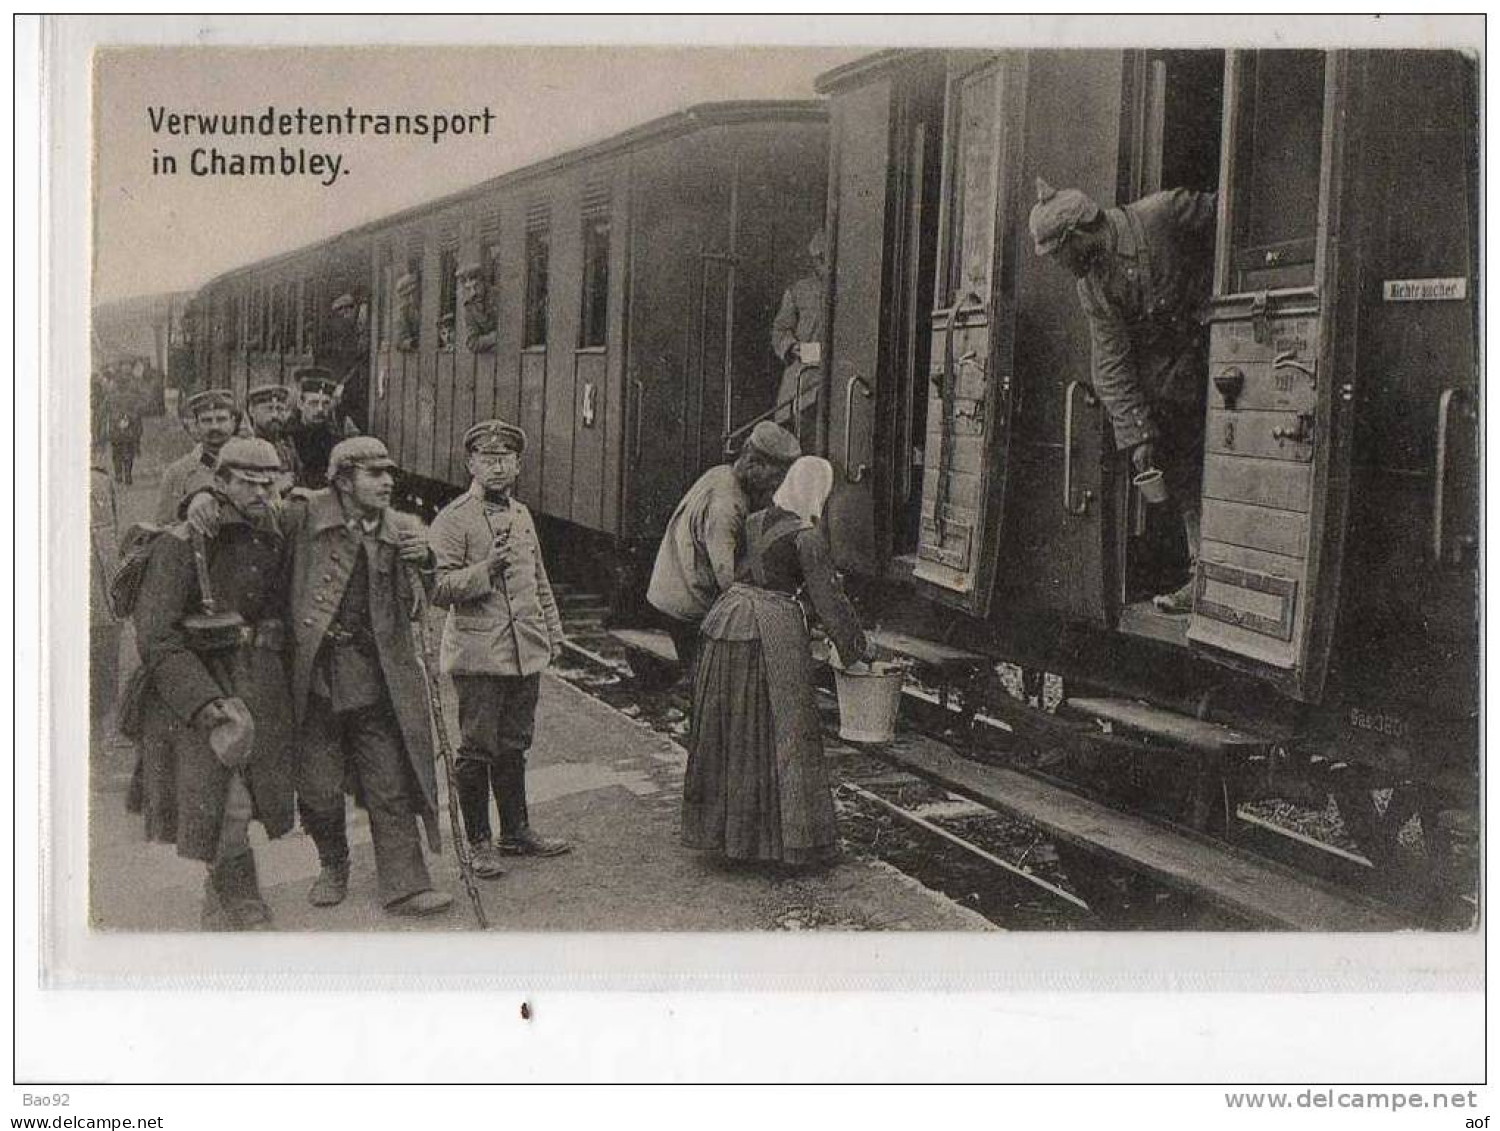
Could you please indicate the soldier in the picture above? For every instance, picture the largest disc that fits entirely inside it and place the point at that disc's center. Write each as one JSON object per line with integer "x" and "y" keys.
{"x": 270, "y": 408}
{"x": 317, "y": 426}
{"x": 408, "y": 313}
{"x": 104, "y": 558}
{"x": 215, "y": 419}
{"x": 479, "y": 309}
{"x": 1145, "y": 276}
{"x": 357, "y": 689}
{"x": 502, "y": 631}
{"x": 123, "y": 404}
{"x": 215, "y": 725}
{"x": 796, "y": 336}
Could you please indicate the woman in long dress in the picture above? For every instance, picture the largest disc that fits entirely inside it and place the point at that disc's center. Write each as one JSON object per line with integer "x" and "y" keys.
{"x": 756, "y": 785}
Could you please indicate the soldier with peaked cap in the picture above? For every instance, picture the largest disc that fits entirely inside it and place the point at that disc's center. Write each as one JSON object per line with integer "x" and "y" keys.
{"x": 408, "y": 313}
{"x": 502, "y": 631}
{"x": 479, "y": 308}
{"x": 1145, "y": 277}
{"x": 208, "y": 716}
{"x": 317, "y": 425}
{"x": 358, "y": 693}
{"x": 215, "y": 420}
{"x": 796, "y": 332}
{"x": 348, "y": 356}
{"x": 705, "y": 535}
{"x": 270, "y": 409}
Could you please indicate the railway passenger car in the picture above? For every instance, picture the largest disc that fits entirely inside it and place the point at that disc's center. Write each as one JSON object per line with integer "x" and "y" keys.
{"x": 631, "y": 285}
{"x": 1332, "y": 648}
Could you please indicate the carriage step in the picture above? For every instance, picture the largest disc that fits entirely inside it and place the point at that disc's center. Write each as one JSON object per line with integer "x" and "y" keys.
{"x": 1169, "y": 726}
{"x": 928, "y": 653}
{"x": 648, "y": 641}
{"x": 1258, "y": 890}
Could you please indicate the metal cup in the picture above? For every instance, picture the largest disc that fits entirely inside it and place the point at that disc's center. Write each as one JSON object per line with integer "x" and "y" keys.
{"x": 1152, "y": 485}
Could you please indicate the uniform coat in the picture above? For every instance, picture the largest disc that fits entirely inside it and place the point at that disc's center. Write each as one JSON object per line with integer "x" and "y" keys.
{"x": 508, "y": 629}
{"x": 1146, "y": 298}
{"x": 183, "y": 782}
{"x": 321, "y": 552}
{"x": 182, "y": 477}
{"x": 799, "y": 319}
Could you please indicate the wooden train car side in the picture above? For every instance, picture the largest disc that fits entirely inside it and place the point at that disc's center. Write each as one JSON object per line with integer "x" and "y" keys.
{"x": 1335, "y": 594}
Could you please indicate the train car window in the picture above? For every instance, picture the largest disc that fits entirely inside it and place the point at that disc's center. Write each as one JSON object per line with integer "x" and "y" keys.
{"x": 253, "y": 336}
{"x": 309, "y": 320}
{"x": 1277, "y": 155}
{"x": 592, "y": 318}
{"x": 538, "y": 252}
{"x": 385, "y": 276}
{"x": 972, "y": 207}
{"x": 409, "y": 304}
{"x": 447, "y": 297}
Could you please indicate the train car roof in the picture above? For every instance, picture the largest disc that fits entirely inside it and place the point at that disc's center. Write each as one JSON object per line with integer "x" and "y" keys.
{"x": 703, "y": 115}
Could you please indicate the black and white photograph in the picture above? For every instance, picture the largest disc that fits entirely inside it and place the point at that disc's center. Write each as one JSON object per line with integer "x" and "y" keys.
{"x": 963, "y": 488}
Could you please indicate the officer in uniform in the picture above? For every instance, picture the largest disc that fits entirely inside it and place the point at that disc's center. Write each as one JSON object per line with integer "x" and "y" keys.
{"x": 215, "y": 725}
{"x": 317, "y": 426}
{"x": 1145, "y": 277}
{"x": 479, "y": 309}
{"x": 358, "y": 691}
{"x": 502, "y": 631}
{"x": 796, "y": 332}
{"x": 270, "y": 409}
{"x": 215, "y": 419}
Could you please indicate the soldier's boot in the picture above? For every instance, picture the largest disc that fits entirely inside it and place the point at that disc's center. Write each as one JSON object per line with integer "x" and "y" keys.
{"x": 231, "y": 897}
{"x": 332, "y": 841}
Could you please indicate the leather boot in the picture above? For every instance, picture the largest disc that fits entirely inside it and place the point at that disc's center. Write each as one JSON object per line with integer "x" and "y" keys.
{"x": 232, "y": 900}
{"x": 331, "y": 886}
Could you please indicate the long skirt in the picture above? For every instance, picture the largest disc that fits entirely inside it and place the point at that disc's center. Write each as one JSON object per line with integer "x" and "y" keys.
{"x": 756, "y": 786}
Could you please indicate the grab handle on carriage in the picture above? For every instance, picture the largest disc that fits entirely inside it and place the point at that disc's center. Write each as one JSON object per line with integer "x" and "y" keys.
{"x": 1440, "y": 472}
{"x": 1067, "y": 490}
{"x": 858, "y": 473}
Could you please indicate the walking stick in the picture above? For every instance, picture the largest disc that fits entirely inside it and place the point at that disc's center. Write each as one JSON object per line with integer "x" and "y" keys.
{"x": 444, "y": 746}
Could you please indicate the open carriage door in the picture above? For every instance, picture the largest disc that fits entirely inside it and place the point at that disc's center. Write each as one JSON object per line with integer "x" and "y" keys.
{"x": 968, "y": 408}
{"x": 1279, "y": 419}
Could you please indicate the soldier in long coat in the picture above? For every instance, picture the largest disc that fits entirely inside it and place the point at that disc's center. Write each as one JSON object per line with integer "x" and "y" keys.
{"x": 358, "y": 691}
{"x": 317, "y": 425}
{"x": 796, "y": 332}
{"x": 270, "y": 409}
{"x": 198, "y": 710}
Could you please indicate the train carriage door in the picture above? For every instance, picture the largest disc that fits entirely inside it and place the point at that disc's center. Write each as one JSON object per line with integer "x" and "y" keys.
{"x": 970, "y": 367}
{"x": 861, "y": 130}
{"x": 1276, "y": 462}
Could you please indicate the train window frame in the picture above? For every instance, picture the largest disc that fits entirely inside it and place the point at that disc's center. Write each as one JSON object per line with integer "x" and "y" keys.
{"x": 447, "y": 296}
{"x": 1243, "y": 263}
{"x": 593, "y": 297}
{"x": 537, "y": 294}
{"x": 952, "y": 201}
{"x": 385, "y": 282}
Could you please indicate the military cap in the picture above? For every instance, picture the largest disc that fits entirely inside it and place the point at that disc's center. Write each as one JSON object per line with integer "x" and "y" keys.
{"x": 252, "y": 459}
{"x": 345, "y": 301}
{"x": 208, "y": 400}
{"x": 267, "y": 393}
{"x": 471, "y": 270}
{"x": 490, "y": 435}
{"x": 406, "y": 284}
{"x": 315, "y": 379}
{"x": 1056, "y": 213}
{"x": 774, "y": 441}
{"x": 359, "y": 451}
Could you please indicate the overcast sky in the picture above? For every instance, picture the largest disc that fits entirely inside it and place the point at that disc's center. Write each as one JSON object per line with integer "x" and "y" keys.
{"x": 163, "y": 233}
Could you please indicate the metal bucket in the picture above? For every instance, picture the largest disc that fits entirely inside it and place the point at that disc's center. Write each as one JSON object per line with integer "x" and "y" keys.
{"x": 869, "y": 702}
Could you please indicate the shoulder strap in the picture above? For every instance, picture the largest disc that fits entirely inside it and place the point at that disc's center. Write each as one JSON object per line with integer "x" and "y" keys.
{"x": 763, "y": 535}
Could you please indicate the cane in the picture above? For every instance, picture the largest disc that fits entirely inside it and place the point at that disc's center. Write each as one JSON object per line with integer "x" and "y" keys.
{"x": 444, "y": 746}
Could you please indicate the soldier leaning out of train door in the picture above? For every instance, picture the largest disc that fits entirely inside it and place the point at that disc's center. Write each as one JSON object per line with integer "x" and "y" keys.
{"x": 479, "y": 308}
{"x": 215, "y": 419}
{"x": 701, "y": 548}
{"x": 349, "y": 356}
{"x": 1145, "y": 277}
{"x": 797, "y": 336}
{"x": 317, "y": 425}
{"x": 358, "y": 693}
{"x": 502, "y": 630}
{"x": 270, "y": 409}
{"x": 213, "y": 711}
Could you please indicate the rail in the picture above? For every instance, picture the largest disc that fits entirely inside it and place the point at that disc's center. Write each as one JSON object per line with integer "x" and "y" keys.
{"x": 1067, "y": 490}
